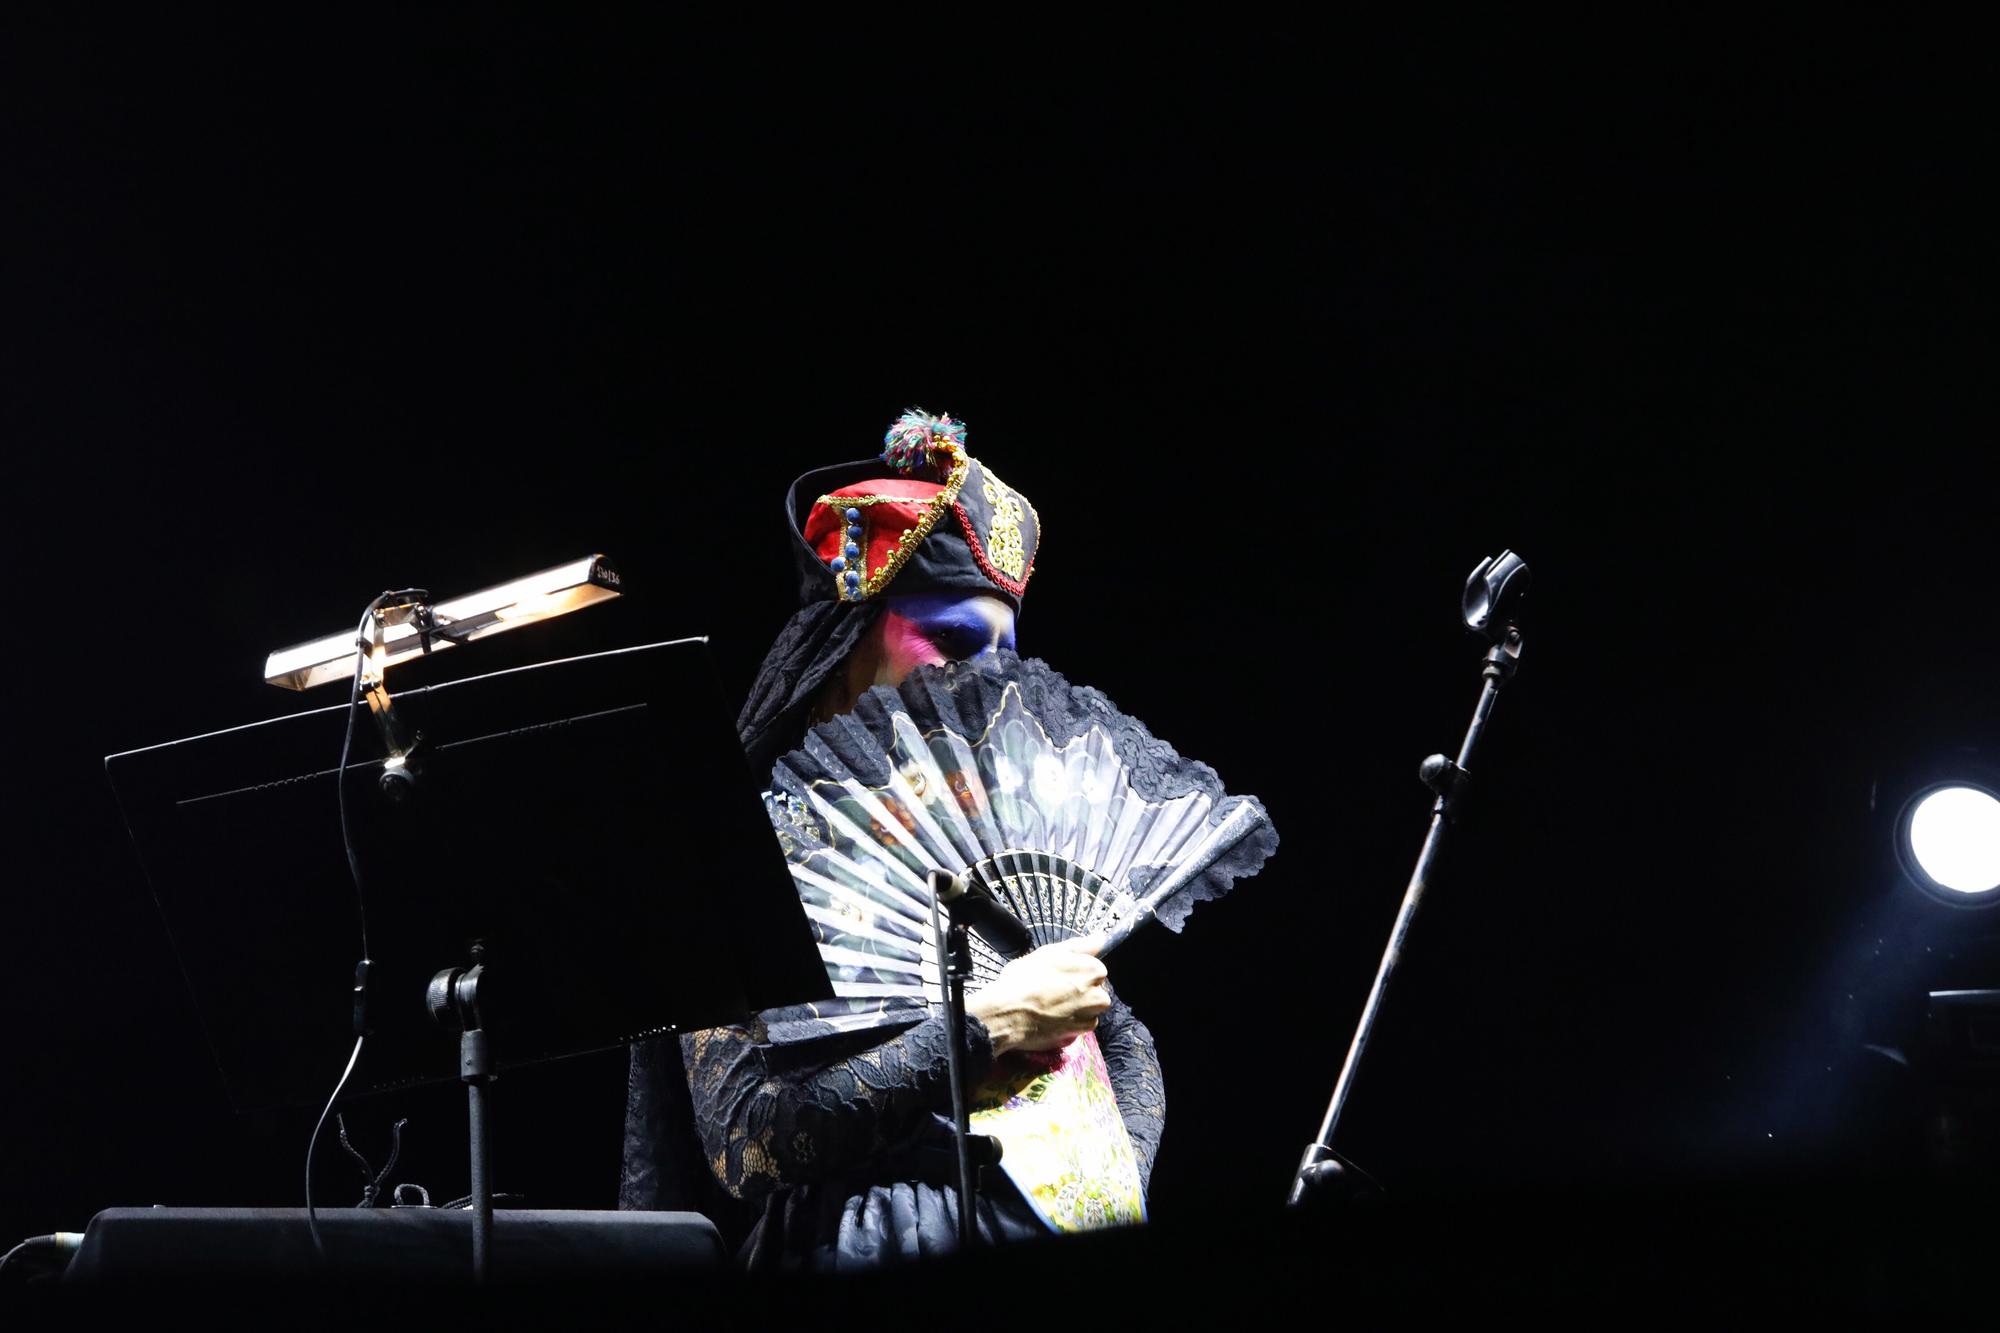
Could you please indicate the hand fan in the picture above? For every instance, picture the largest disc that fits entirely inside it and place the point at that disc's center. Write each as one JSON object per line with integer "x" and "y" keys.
{"x": 1068, "y": 813}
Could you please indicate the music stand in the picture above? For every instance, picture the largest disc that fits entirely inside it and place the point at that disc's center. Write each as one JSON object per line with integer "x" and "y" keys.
{"x": 589, "y": 824}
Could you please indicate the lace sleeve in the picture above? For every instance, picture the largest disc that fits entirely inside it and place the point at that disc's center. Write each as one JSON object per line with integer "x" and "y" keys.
{"x": 771, "y": 1116}
{"x": 1135, "y": 1079}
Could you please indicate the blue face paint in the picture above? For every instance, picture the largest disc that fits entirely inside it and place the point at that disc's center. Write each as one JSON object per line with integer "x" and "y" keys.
{"x": 932, "y": 627}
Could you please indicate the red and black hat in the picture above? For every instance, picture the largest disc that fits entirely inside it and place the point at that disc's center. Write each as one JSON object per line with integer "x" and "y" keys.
{"x": 925, "y": 516}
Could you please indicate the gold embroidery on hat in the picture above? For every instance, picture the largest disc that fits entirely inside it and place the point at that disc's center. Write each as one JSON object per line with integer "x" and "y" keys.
{"x": 1003, "y": 535}
{"x": 863, "y": 501}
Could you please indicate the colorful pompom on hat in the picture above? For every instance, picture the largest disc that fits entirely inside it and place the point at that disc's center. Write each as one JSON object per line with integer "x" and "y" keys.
{"x": 924, "y": 516}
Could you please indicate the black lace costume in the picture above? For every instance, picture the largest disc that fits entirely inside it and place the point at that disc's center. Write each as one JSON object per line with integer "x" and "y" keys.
{"x": 846, "y": 1154}
{"x": 833, "y": 1151}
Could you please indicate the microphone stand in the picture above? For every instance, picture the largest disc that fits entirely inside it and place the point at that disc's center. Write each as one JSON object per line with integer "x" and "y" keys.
{"x": 453, "y": 1001}
{"x": 954, "y": 951}
{"x": 1490, "y": 607}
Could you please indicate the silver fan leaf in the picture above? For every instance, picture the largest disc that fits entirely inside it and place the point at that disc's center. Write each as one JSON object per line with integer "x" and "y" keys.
{"x": 1071, "y": 814}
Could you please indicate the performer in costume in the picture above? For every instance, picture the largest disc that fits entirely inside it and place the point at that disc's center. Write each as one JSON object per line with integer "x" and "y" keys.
{"x": 838, "y": 1152}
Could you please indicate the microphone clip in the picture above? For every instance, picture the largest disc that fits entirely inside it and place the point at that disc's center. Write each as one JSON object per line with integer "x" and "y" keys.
{"x": 971, "y": 904}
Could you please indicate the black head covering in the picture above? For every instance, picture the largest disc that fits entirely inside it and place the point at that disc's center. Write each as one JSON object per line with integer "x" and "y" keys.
{"x": 814, "y": 643}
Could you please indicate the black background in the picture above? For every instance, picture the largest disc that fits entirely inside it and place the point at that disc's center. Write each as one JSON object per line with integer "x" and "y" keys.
{"x": 1281, "y": 330}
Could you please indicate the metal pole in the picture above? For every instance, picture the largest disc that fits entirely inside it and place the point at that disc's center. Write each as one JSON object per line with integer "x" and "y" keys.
{"x": 475, "y": 1067}
{"x": 1495, "y": 587}
{"x": 1449, "y": 782}
{"x": 954, "y": 954}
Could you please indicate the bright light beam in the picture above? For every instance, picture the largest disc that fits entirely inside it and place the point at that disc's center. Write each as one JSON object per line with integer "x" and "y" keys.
{"x": 1954, "y": 837}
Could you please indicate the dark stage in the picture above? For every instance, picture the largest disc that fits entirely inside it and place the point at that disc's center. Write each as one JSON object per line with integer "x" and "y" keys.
{"x": 1281, "y": 341}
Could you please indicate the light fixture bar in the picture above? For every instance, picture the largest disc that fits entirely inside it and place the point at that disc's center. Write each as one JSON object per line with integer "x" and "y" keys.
{"x": 523, "y": 601}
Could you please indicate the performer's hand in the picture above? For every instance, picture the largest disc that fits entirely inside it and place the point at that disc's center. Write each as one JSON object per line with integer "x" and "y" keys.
{"x": 1043, "y": 999}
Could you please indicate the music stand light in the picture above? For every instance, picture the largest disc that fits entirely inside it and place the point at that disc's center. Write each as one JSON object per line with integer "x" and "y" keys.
{"x": 539, "y": 596}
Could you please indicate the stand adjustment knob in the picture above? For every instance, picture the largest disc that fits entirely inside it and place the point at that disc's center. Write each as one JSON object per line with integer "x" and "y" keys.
{"x": 441, "y": 1000}
{"x": 1443, "y": 776}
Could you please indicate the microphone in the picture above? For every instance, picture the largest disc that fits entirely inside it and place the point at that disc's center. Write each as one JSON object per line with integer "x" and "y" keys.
{"x": 972, "y": 906}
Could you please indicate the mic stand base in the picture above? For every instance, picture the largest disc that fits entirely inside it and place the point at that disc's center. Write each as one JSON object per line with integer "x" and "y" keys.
{"x": 1325, "y": 1179}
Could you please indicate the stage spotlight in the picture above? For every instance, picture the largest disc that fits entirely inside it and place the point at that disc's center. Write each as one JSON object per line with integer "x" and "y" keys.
{"x": 504, "y": 606}
{"x": 1949, "y": 842}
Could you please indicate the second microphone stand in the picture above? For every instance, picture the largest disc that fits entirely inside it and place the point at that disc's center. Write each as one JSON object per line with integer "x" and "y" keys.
{"x": 1490, "y": 607}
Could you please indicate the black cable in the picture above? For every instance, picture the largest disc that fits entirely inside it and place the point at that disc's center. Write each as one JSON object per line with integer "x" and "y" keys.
{"x": 370, "y": 1177}
{"x": 367, "y": 1171}
{"x": 312, "y": 1218}
{"x": 346, "y": 747}
{"x": 31, "y": 1243}
{"x": 59, "y": 1243}
{"x": 361, "y": 646}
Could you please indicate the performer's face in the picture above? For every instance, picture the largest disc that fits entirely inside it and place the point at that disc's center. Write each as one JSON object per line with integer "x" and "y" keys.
{"x": 938, "y": 627}
{"x": 933, "y": 627}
